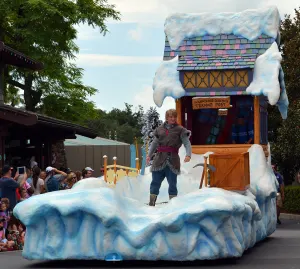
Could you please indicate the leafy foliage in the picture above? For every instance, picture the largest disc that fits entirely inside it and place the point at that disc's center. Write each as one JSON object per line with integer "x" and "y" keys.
{"x": 292, "y": 199}
{"x": 45, "y": 30}
{"x": 285, "y": 145}
{"x": 125, "y": 122}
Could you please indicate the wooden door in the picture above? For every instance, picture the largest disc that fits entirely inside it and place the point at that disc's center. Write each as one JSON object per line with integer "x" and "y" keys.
{"x": 232, "y": 171}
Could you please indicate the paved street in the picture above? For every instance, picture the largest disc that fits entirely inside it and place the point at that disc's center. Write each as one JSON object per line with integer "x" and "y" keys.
{"x": 281, "y": 250}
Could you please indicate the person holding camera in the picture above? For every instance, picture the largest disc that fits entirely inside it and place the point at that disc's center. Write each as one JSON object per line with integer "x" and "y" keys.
{"x": 9, "y": 185}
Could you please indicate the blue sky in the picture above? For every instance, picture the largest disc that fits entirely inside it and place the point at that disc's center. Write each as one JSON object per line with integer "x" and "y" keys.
{"x": 122, "y": 64}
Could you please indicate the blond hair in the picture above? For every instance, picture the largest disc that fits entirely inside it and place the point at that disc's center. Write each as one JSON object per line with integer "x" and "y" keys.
{"x": 170, "y": 113}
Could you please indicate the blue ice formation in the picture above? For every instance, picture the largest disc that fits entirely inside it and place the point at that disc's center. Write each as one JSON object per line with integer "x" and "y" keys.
{"x": 94, "y": 221}
{"x": 268, "y": 79}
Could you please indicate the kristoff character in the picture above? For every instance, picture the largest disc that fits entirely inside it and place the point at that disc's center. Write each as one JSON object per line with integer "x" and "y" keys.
{"x": 168, "y": 138}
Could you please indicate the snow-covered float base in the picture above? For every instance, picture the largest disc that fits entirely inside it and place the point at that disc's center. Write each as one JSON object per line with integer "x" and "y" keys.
{"x": 92, "y": 221}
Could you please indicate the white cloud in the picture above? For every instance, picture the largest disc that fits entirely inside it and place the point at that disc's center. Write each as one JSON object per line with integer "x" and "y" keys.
{"x": 145, "y": 99}
{"x": 99, "y": 60}
{"x": 155, "y": 11}
{"x": 136, "y": 34}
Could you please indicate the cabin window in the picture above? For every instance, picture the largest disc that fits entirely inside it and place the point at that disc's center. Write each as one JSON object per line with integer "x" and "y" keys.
{"x": 234, "y": 125}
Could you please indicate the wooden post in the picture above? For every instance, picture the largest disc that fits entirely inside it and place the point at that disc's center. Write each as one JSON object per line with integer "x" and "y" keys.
{"x": 179, "y": 111}
{"x": 205, "y": 170}
{"x": 105, "y": 167}
{"x": 256, "y": 120}
{"x": 189, "y": 111}
{"x": 137, "y": 164}
{"x": 115, "y": 169}
{"x": 201, "y": 181}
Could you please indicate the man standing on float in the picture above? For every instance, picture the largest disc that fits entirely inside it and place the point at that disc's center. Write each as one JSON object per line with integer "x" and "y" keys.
{"x": 168, "y": 138}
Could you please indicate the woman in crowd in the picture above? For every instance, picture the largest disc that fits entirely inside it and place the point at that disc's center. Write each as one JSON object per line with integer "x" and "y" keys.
{"x": 78, "y": 175}
{"x": 71, "y": 180}
{"x": 27, "y": 186}
{"x": 37, "y": 182}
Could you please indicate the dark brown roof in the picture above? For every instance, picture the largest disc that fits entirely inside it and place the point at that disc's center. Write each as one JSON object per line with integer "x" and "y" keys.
{"x": 29, "y": 118}
{"x": 12, "y": 57}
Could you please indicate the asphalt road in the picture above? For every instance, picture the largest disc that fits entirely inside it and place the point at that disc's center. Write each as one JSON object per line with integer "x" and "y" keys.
{"x": 280, "y": 250}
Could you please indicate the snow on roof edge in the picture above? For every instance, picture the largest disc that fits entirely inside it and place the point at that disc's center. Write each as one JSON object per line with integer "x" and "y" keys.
{"x": 250, "y": 24}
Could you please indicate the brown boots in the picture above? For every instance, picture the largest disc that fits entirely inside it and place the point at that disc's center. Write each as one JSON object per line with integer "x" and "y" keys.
{"x": 153, "y": 198}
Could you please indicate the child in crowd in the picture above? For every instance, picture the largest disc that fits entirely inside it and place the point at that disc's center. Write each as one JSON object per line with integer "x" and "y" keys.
{"x": 16, "y": 236}
{"x": 4, "y": 214}
{"x": 23, "y": 194}
{"x": 5, "y": 244}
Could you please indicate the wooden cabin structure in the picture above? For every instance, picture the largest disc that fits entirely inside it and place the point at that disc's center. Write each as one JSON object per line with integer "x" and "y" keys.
{"x": 215, "y": 72}
{"x": 23, "y": 133}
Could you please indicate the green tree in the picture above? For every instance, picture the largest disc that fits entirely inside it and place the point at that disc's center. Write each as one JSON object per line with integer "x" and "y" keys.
{"x": 125, "y": 122}
{"x": 45, "y": 30}
{"x": 286, "y": 149}
{"x": 285, "y": 146}
{"x": 69, "y": 108}
{"x": 12, "y": 96}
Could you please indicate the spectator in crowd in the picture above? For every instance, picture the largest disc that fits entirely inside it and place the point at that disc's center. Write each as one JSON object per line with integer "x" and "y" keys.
{"x": 15, "y": 236}
{"x": 78, "y": 175}
{"x": 26, "y": 185}
{"x": 4, "y": 243}
{"x": 87, "y": 172}
{"x": 54, "y": 179}
{"x": 29, "y": 176}
{"x": 4, "y": 214}
{"x": 5, "y": 201}
{"x": 43, "y": 175}
{"x": 23, "y": 194}
{"x": 280, "y": 192}
{"x": 37, "y": 183}
{"x": 296, "y": 182}
{"x": 71, "y": 180}
{"x": 33, "y": 163}
{"x": 9, "y": 185}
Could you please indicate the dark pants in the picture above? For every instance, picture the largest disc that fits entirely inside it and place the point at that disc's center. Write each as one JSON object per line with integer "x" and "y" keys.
{"x": 159, "y": 176}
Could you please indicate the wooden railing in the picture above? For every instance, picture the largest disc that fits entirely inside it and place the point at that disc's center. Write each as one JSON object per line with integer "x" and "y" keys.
{"x": 115, "y": 172}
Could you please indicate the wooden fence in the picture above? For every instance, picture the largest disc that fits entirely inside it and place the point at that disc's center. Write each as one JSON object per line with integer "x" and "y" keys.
{"x": 79, "y": 157}
{"x": 115, "y": 172}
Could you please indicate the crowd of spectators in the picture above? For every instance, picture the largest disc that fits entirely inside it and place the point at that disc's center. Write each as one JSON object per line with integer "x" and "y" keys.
{"x": 16, "y": 187}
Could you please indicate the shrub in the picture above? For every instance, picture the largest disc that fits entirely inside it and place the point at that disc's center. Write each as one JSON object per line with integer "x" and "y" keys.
{"x": 292, "y": 199}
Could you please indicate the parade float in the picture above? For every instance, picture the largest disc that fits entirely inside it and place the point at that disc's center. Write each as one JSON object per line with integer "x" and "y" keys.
{"x": 219, "y": 68}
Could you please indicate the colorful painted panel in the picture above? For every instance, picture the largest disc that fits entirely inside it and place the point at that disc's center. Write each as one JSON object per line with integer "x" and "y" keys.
{"x": 215, "y": 80}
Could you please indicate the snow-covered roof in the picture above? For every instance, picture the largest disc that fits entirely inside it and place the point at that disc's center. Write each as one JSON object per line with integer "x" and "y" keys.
{"x": 244, "y": 40}
{"x": 249, "y": 24}
{"x": 218, "y": 52}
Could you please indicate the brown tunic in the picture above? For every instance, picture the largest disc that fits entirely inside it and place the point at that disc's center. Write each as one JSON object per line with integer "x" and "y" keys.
{"x": 171, "y": 138}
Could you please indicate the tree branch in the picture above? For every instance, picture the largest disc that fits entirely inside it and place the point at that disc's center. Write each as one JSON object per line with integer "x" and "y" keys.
{"x": 16, "y": 84}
